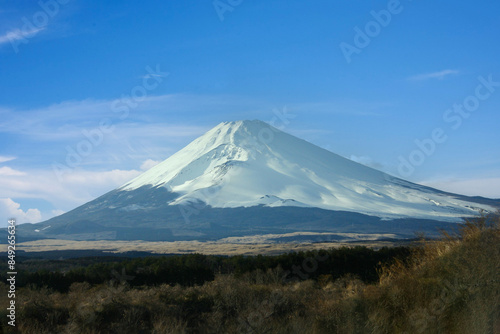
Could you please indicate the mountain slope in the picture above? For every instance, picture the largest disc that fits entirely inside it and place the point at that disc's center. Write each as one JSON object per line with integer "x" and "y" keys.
{"x": 247, "y": 177}
{"x": 250, "y": 163}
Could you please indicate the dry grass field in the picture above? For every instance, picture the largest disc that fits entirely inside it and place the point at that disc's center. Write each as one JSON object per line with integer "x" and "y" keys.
{"x": 447, "y": 286}
{"x": 252, "y": 245}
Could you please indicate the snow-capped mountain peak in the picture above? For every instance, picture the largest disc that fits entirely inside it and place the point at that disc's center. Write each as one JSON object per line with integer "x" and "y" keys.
{"x": 250, "y": 163}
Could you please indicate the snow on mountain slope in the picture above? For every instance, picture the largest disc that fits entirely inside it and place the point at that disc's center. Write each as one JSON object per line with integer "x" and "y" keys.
{"x": 249, "y": 163}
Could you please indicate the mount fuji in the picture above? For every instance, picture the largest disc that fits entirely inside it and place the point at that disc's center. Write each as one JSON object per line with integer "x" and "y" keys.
{"x": 248, "y": 178}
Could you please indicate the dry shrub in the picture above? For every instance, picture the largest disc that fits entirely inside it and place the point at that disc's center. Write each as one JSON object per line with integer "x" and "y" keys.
{"x": 451, "y": 285}
{"x": 40, "y": 311}
{"x": 448, "y": 286}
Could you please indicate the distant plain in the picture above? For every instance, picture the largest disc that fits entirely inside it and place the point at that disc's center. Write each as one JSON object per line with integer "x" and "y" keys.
{"x": 247, "y": 246}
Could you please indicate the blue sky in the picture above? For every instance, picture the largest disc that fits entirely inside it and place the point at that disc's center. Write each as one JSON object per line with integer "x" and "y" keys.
{"x": 92, "y": 93}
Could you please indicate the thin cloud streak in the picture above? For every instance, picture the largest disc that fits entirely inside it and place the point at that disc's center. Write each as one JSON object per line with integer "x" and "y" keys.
{"x": 18, "y": 34}
{"x": 5, "y": 159}
{"x": 486, "y": 187}
{"x": 434, "y": 75}
{"x": 10, "y": 172}
{"x": 347, "y": 107}
{"x": 67, "y": 119}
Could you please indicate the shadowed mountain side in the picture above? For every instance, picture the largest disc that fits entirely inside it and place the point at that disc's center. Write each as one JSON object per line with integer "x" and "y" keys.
{"x": 141, "y": 217}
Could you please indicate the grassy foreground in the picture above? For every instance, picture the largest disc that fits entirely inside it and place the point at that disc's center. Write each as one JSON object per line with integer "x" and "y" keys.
{"x": 448, "y": 286}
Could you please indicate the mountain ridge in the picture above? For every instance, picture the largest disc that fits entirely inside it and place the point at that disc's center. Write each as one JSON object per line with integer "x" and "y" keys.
{"x": 247, "y": 178}
{"x": 286, "y": 170}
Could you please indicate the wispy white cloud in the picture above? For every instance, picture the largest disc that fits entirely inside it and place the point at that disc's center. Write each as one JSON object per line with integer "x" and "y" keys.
{"x": 62, "y": 117}
{"x": 7, "y": 171}
{"x": 18, "y": 34}
{"x": 74, "y": 189}
{"x": 343, "y": 106}
{"x": 149, "y": 164}
{"x": 67, "y": 119}
{"x": 6, "y": 158}
{"x": 60, "y": 127}
{"x": 434, "y": 75}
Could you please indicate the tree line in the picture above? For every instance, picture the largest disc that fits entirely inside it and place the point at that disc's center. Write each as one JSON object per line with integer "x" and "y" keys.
{"x": 196, "y": 269}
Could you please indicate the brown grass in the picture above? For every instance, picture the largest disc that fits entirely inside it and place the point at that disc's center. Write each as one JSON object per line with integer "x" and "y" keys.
{"x": 449, "y": 286}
